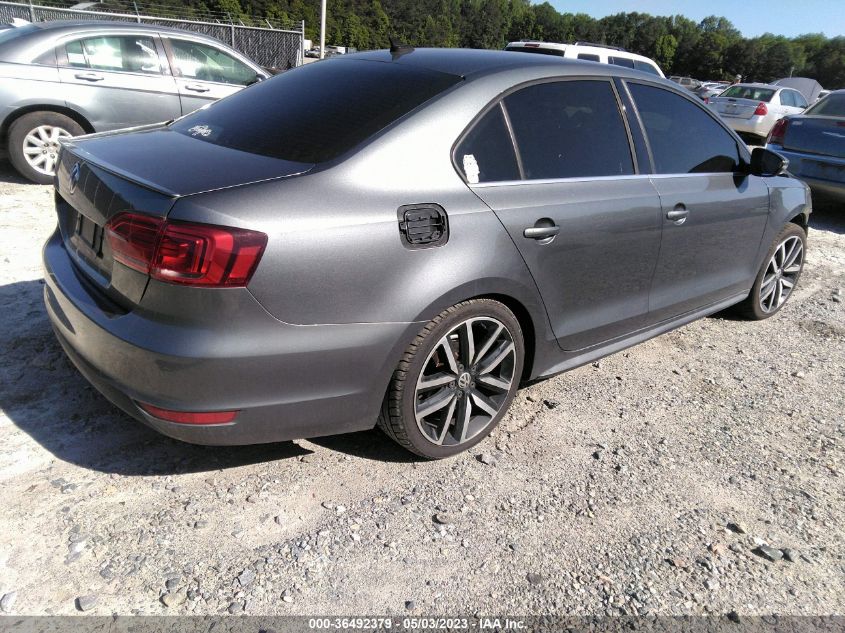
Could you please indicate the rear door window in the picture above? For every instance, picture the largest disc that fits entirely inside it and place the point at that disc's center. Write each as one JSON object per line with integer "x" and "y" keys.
{"x": 684, "y": 138}
{"x": 589, "y": 57}
{"x": 317, "y": 112}
{"x": 127, "y": 53}
{"x": 486, "y": 153}
{"x": 569, "y": 129}
{"x": 786, "y": 98}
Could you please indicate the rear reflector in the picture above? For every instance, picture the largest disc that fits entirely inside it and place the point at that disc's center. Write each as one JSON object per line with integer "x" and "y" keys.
{"x": 184, "y": 252}
{"x": 761, "y": 110}
{"x": 778, "y": 132}
{"x": 188, "y": 417}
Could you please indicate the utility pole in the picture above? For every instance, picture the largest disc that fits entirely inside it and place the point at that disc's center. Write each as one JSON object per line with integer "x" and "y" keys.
{"x": 322, "y": 29}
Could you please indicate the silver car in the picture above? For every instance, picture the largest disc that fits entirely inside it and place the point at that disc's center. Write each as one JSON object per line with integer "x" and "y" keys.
{"x": 408, "y": 241}
{"x": 62, "y": 79}
{"x": 753, "y": 109}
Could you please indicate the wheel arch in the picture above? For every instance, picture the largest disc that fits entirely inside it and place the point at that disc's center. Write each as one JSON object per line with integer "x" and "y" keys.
{"x": 44, "y": 107}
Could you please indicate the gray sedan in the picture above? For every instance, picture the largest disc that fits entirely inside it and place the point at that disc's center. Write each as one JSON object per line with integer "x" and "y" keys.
{"x": 418, "y": 234}
{"x": 62, "y": 79}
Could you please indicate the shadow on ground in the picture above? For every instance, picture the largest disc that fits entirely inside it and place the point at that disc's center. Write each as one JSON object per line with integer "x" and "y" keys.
{"x": 828, "y": 216}
{"x": 8, "y": 174}
{"x": 44, "y": 395}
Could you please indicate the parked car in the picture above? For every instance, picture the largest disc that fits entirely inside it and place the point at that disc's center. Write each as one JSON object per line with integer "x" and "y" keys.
{"x": 407, "y": 241}
{"x": 753, "y": 109}
{"x": 62, "y": 79}
{"x": 814, "y": 144}
{"x": 710, "y": 89}
{"x": 590, "y": 52}
{"x": 686, "y": 82}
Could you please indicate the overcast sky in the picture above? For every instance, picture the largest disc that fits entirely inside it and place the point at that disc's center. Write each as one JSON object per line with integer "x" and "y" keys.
{"x": 752, "y": 17}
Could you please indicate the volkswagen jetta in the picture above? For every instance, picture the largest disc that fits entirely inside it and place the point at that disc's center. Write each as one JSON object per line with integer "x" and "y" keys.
{"x": 403, "y": 238}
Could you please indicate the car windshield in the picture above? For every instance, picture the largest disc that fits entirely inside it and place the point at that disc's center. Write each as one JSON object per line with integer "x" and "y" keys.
{"x": 831, "y": 105}
{"x": 317, "y": 112}
{"x": 749, "y": 92}
{"x": 9, "y": 34}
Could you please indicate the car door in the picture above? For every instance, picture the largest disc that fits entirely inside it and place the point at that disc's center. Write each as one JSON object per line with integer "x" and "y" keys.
{"x": 585, "y": 222}
{"x": 205, "y": 73}
{"x": 714, "y": 212}
{"x": 117, "y": 80}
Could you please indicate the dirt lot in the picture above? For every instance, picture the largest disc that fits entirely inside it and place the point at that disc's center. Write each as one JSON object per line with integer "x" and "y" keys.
{"x": 661, "y": 480}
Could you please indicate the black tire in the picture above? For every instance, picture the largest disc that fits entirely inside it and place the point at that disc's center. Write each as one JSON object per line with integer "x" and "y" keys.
{"x": 398, "y": 418}
{"x": 752, "y": 307}
{"x": 21, "y": 128}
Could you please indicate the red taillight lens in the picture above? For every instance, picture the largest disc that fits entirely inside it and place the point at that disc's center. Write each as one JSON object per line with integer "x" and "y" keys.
{"x": 778, "y": 132}
{"x": 761, "y": 110}
{"x": 202, "y": 255}
{"x": 189, "y": 417}
{"x": 186, "y": 253}
{"x": 133, "y": 239}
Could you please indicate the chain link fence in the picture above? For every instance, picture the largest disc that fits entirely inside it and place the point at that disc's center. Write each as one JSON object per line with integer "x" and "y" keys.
{"x": 269, "y": 47}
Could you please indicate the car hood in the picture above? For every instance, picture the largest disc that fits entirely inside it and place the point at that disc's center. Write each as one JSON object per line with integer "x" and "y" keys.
{"x": 178, "y": 165}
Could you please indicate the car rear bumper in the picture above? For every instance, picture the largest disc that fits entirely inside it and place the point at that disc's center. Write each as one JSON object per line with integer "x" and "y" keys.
{"x": 286, "y": 381}
{"x": 824, "y": 174}
{"x": 756, "y": 125}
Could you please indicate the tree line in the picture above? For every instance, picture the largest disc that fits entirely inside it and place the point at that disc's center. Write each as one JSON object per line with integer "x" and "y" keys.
{"x": 710, "y": 49}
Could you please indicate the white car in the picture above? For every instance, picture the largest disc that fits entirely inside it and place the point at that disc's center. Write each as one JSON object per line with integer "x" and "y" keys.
{"x": 753, "y": 109}
{"x": 589, "y": 52}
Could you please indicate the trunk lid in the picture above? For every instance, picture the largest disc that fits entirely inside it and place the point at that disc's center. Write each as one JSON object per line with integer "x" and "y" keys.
{"x": 143, "y": 172}
{"x": 816, "y": 135}
{"x": 734, "y": 108}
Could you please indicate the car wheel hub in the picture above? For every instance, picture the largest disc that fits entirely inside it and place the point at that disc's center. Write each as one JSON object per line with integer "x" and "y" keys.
{"x": 41, "y": 148}
{"x": 465, "y": 381}
{"x": 781, "y": 274}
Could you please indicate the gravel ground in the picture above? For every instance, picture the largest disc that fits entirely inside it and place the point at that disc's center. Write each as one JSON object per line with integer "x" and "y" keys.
{"x": 701, "y": 472}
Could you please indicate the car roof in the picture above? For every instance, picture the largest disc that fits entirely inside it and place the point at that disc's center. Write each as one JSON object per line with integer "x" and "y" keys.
{"x": 473, "y": 63}
{"x": 23, "y": 48}
{"x": 761, "y": 85}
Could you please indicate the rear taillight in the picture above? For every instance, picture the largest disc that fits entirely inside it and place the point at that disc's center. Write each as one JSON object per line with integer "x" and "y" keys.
{"x": 184, "y": 252}
{"x": 189, "y": 417}
{"x": 778, "y": 132}
{"x": 761, "y": 110}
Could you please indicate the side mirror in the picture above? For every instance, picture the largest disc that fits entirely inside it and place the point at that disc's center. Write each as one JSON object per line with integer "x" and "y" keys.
{"x": 765, "y": 162}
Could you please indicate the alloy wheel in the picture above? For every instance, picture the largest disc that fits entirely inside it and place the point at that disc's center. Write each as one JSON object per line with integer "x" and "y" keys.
{"x": 465, "y": 381}
{"x": 781, "y": 274}
{"x": 41, "y": 148}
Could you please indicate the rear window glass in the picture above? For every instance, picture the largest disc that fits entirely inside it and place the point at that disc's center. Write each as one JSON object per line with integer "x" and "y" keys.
{"x": 749, "y": 92}
{"x": 317, "y": 112}
{"x": 542, "y": 51}
{"x": 621, "y": 61}
{"x": 13, "y": 32}
{"x": 645, "y": 67}
{"x": 832, "y": 105}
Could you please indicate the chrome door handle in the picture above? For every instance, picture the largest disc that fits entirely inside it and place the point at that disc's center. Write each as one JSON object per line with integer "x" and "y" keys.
{"x": 196, "y": 88}
{"x": 541, "y": 232}
{"x": 89, "y": 76}
{"x": 678, "y": 215}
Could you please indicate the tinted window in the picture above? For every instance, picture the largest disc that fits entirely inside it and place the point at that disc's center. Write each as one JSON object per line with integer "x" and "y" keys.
{"x": 749, "y": 92}
{"x": 133, "y": 53}
{"x": 569, "y": 129}
{"x": 646, "y": 67}
{"x": 684, "y": 138}
{"x": 831, "y": 105}
{"x": 486, "y": 153}
{"x": 786, "y": 98}
{"x": 588, "y": 57}
{"x": 543, "y": 51}
{"x": 207, "y": 63}
{"x": 621, "y": 61}
{"x": 800, "y": 101}
{"x": 317, "y": 112}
